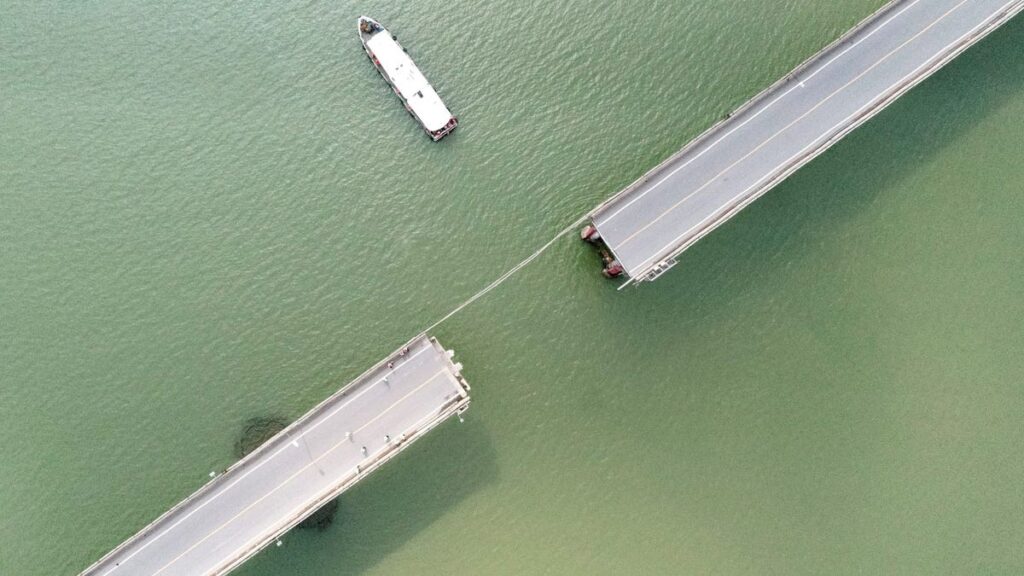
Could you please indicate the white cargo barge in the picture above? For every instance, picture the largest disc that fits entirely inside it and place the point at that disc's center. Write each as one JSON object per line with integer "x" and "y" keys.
{"x": 398, "y": 69}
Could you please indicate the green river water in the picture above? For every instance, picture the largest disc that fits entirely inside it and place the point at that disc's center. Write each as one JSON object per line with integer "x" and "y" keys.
{"x": 216, "y": 211}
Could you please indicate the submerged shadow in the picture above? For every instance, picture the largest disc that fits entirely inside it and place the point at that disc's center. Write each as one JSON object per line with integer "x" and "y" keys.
{"x": 788, "y": 222}
{"x": 391, "y": 506}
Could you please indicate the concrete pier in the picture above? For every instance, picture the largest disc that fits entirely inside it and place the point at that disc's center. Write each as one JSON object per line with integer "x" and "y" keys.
{"x": 647, "y": 225}
{"x": 315, "y": 459}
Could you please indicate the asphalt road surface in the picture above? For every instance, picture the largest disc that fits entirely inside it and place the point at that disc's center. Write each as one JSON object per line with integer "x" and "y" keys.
{"x": 653, "y": 220}
{"x": 312, "y": 461}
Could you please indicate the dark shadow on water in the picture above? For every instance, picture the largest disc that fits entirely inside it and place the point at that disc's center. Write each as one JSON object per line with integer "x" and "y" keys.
{"x": 390, "y": 507}
{"x": 258, "y": 430}
{"x": 788, "y": 222}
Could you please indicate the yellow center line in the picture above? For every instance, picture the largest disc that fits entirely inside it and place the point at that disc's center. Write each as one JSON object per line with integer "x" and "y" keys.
{"x": 293, "y": 476}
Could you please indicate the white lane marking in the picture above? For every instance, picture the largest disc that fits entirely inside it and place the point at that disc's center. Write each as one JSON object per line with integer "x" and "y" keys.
{"x": 810, "y": 111}
{"x": 812, "y": 144}
{"x": 255, "y": 541}
{"x": 607, "y": 219}
{"x": 258, "y": 465}
{"x": 297, "y": 472}
{"x": 787, "y": 127}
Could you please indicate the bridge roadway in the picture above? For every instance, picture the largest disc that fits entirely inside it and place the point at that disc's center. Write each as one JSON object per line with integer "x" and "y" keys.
{"x": 647, "y": 225}
{"x": 311, "y": 462}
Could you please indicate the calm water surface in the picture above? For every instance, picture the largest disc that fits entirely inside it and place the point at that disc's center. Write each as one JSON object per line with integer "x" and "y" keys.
{"x": 214, "y": 211}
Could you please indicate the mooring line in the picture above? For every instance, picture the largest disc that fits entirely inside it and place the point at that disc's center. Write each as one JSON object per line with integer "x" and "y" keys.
{"x": 508, "y": 274}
